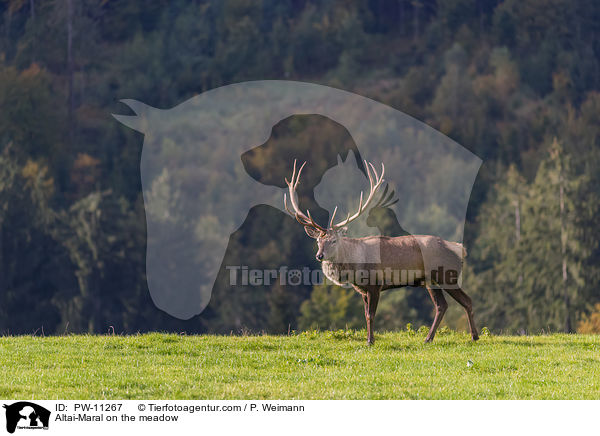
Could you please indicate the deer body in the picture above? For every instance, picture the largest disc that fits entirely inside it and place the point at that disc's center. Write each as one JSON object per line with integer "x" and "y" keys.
{"x": 372, "y": 253}
{"x": 376, "y": 263}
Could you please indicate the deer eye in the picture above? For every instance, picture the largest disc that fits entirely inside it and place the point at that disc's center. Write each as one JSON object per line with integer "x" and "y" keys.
{"x": 334, "y": 241}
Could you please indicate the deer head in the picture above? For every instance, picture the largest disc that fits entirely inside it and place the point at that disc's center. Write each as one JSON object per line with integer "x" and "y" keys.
{"x": 328, "y": 238}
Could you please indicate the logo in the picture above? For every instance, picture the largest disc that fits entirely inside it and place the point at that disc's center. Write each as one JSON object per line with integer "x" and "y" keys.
{"x": 26, "y": 415}
{"x": 211, "y": 161}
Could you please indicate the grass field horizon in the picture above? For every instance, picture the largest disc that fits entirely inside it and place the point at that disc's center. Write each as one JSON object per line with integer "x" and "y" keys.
{"x": 308, "y": 365}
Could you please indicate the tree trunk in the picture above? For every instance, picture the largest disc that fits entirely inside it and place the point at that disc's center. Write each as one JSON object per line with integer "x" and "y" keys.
{"x": 563, "y": 241}
{"x": 401, "y": 18}
{"x": 33, "y": 41}
{"x": 70, "y": 66}
{"x": 518, "y": 236}
{"x": 416, "y": 5}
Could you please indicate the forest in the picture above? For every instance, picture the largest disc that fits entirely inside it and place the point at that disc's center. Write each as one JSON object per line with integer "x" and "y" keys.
{"x": 515, "y": 82}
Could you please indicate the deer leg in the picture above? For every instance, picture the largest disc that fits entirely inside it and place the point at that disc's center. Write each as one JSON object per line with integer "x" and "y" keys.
{"x": 367, "y": 317}
{"x": 437, "y": 296}
{"x": 465, "y": 301}
{"x": 373, "y": 298}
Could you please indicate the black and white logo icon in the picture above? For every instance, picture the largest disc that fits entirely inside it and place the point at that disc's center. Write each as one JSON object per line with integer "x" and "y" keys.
{"x": 26, "y": 415}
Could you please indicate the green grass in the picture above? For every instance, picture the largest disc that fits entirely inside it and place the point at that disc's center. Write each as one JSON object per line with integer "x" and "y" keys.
{"x": 312, "y": 365}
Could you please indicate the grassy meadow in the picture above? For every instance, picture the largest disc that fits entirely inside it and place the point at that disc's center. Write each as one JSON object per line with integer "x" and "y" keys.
{"x": 310, "y": 365}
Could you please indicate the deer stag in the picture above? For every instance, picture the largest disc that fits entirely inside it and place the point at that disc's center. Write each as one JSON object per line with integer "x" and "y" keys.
{"x": 377, "y": 263}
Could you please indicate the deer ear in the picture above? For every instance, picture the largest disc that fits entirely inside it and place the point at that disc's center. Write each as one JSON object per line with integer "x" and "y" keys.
{"x": 312, "y": 232}
{"x": 343, "y": 231}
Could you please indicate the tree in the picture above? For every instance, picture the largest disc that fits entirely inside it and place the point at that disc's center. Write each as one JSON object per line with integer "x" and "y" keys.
{"x": 499, "y": 253}
{"x": 553, "y": 250}
{"x": 29, "y": 260}
{"x": 531, "y": 247}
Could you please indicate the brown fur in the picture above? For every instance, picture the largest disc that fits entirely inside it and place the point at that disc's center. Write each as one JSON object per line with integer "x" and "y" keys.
{"x": 420, "y": 253}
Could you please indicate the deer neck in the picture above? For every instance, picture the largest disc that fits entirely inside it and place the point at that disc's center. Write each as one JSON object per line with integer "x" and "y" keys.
{"x": 349, "y": 256}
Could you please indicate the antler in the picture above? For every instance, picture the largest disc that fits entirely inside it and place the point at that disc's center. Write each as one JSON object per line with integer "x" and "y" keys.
{"x": 375, "y": 182}
{"x": 300, "y": 217}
